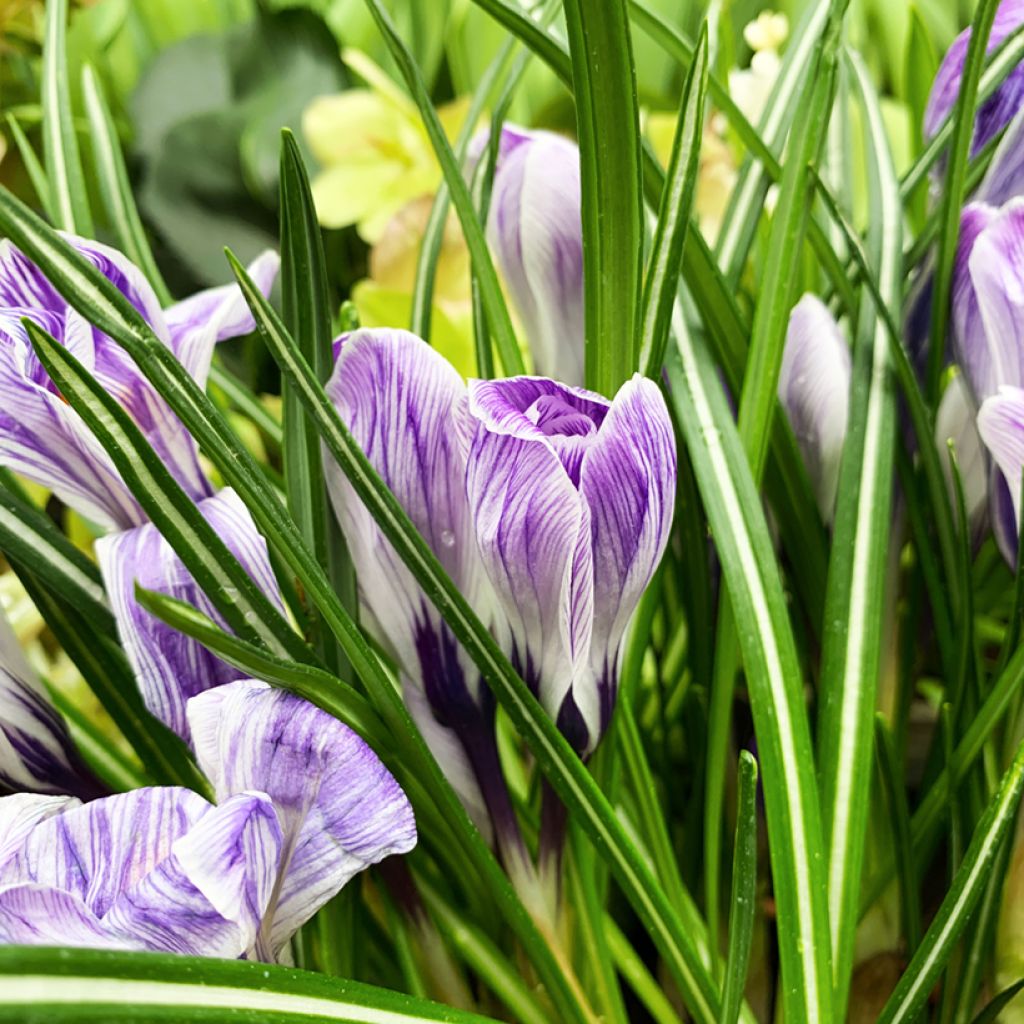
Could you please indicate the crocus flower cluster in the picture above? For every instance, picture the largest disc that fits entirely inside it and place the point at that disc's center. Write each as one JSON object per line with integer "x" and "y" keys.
{"x": 302, "y": 804}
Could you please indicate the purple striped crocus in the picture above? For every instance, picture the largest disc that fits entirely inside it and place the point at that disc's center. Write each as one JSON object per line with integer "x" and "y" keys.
{"x": 534, "y": 230}
{"x": 302, "y": 806}
{"x": 169, "y": 666}
{"x": 548, "y": 505}
{"x": 988, "y": 321}
{"x": 36, "y": 752}
{"x": 44, "y": 439}
{"x": 1002, "y": 106}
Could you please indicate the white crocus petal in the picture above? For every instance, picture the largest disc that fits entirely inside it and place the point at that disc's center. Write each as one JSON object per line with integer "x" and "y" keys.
{"x": 814, "y": 388}
{"x": 955, "y": 421}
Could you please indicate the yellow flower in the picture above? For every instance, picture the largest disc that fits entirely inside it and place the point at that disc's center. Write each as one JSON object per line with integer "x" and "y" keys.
{"x": 374, "y": 151}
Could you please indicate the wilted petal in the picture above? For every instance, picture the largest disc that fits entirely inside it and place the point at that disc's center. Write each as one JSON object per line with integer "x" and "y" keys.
{"x": 993, "y": 356}
{"x": 20, "y": 813}
{"x": 1001, "y": 426}
{"x": 534, "y": 229}
{"x": 156, "y": 869}
{"x": 197, "y": 323}
{"x": 533, "y": 526}
{"x": 340, "y": 809}
{"x": 814, "y": 388}
{"x": 997, "y": 111}
{"x": 404, "y": 405}
{"x": 36, "y": 752}
{"x": 169, "y": 666}
{"x": 628, "y": 480}
{"x": 955, "y": 421}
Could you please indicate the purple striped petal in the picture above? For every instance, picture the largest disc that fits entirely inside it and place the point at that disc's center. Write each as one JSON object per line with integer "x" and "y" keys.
{"x": 628, "y": 480}
{"x": 36, "y": 752}
{"x": 534, "y": 230}
{"x": 171, "y": 667}
{"x": 533, "y": 526}
{"x": 157, "y": 869}
{"x": 42, "y": 437}
{"x": 200, "y": 321}
{"x": 1001, "y": 426}
{"x": 20, "y": 813}
{"x": 988, "y": 339}
{"x": 404, "y": 405}
{"x": 339, "y": 807}
{"x": 814, "y": 388}
{"x": 997, "y": 111}
{"x": 45, "y": 436}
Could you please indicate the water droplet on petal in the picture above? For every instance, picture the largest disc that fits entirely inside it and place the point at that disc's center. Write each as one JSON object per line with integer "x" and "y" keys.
{"x": 448, "y": 538}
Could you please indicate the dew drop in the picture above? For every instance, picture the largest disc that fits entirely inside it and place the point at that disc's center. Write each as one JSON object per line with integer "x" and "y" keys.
{"x": 448, "y": 538}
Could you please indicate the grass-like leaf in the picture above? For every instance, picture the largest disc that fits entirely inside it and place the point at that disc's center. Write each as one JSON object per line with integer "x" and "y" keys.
{"x": 114, "y": 185}
{"x": 954, "y": 913}
{"x": 93, "y": 985}
{"x": 69, "y": 198}
{"x": 666, "y": 258}
{"x": 608, "y": 129}
{"x": 855, "y": 606}
{"x": 773, "y": 674}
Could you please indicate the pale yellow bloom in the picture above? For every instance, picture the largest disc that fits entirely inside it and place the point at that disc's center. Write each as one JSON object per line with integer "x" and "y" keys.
{"x": 768, "y": 31}
{"x": 373, "y": 149}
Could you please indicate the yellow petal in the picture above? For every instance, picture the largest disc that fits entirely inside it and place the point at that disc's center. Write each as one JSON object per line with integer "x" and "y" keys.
{"x": 353, "y": 123}
{"x": 349, "y": 192}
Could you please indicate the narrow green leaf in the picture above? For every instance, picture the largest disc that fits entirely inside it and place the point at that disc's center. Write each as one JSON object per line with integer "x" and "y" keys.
{"x": 773, "y": 675}
{"x": 744, "y": 890}
{"x": 990, "y": 1014}
{"x": 635, "y": 973}
{"x": 115, "y": 187}
{"x": 674, "y": 215}
{"x": 30, "y": 537}
{"x": 920, "y": 64}
{"x": 608, "y": 129}
{"x": 246, "y": 608}
{"x": 33, "y": 167}
{"x": 305, "y": 309}
{"x": 94, "y": 985}
{"x": 953, "y": 191}
{"x": 891, "y": 774}
{"x": 493, "y": 300}
{"x": 789, "y": 221}
{"x": 568, "y": 776}
{"x": 855, "y": 606}
{"x": 69, "y": 199}
{"x": 954, "y": 913}
{"x": 314, "y": 684}
{"x": 248, "y": 404}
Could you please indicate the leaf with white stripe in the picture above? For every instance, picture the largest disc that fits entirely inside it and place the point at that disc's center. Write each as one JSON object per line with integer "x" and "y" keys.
{"x": 69, "y": 198}
{"x": 773, "y": 674}
{"x": 53, "y": 985}
{"x": 969, "y": 884}
{"x": 855, "y": 607}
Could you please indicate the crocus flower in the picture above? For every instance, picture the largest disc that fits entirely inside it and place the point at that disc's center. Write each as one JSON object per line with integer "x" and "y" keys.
{"x": 956, "y": 421}
{"x": 814, "y": 388}
{"x": 169, "y": 666}
{"x": 988, "y": 321}
{"x": 999, "y": 109}
{"x": 534, "y": 230}
{"x": 572, "y": 499}
{"x": 405, "y": 406}
{"x": 36, "y": 752}
{"x": 303, "y": 804}
{"x": 43, "y": 438}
